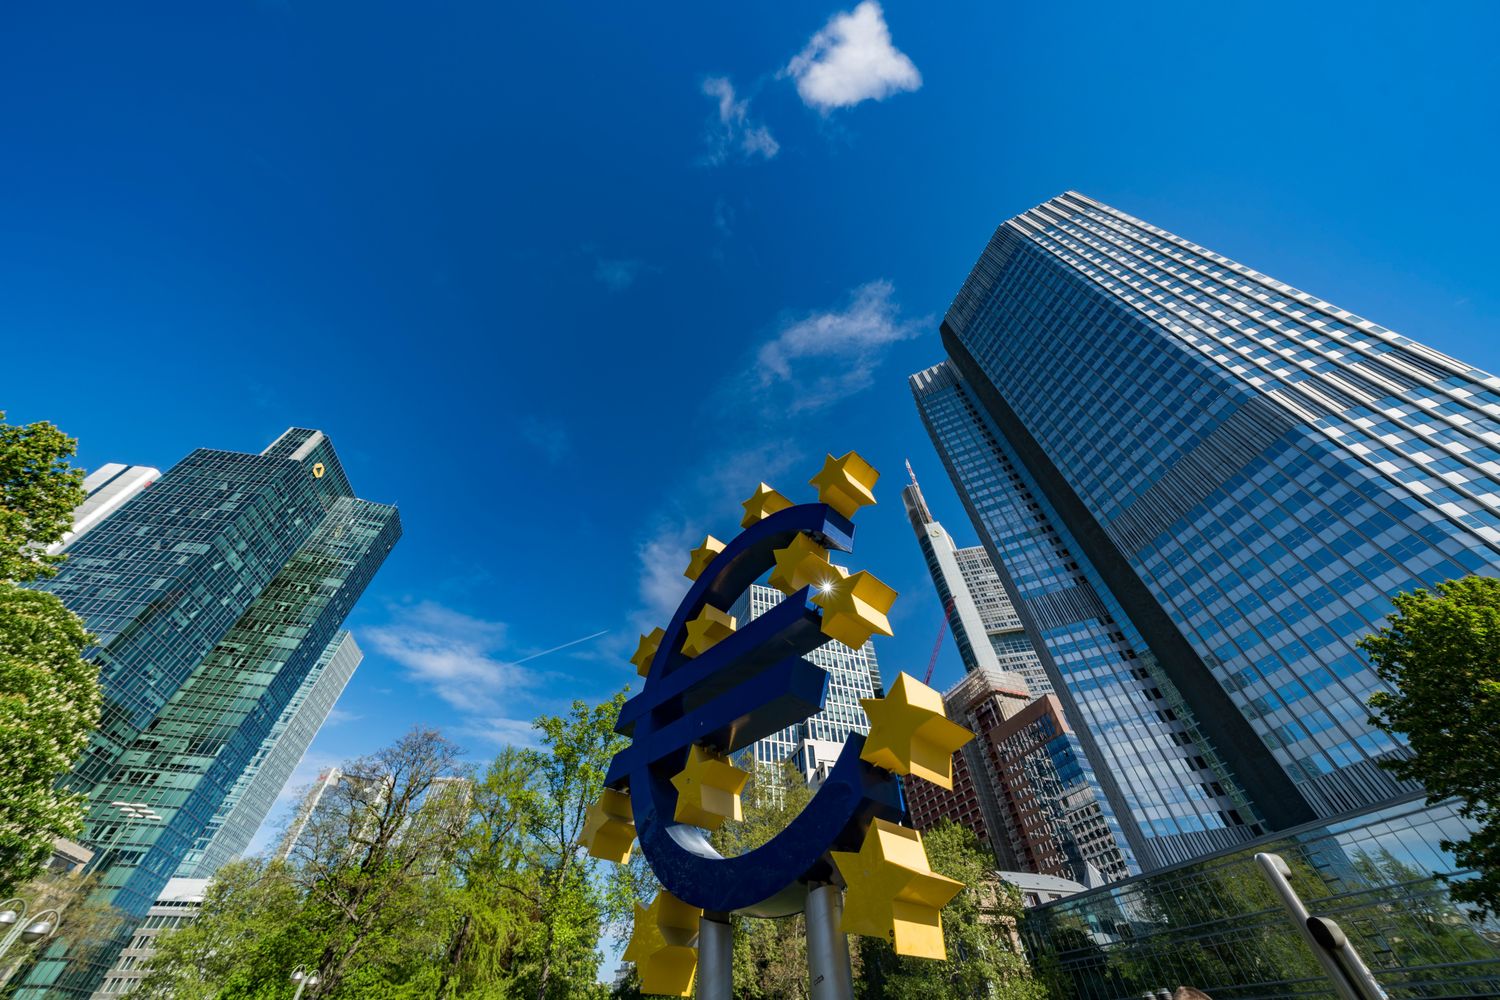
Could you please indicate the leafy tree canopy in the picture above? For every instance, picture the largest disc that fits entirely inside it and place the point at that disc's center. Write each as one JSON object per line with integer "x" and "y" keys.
{"x": 49, "y": 703}
{"x": 38, "y": 493}
{"x": 1440, "y": 651}
{"x": 984, "y": 957}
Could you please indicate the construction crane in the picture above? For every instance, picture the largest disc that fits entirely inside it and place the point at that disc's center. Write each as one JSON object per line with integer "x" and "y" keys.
{"x": 938, "y": 646}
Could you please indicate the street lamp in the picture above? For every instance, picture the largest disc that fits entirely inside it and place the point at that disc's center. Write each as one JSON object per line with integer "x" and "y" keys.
{"x": 131, "y": 811}
{"x": 303, "y": 979}
{"x": 13, "y": 924}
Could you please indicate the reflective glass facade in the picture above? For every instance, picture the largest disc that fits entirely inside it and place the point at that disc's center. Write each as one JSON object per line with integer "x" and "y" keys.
{"x": 1216, "y": 923}
{"x": 1249, "y": 469}
{"x": 852, "y": 674}
{"x": 1174, "y": 799}
{"x": 249, "y": 802}
{"x": 1060, "y": 822}
{"x": 1036, "y": 798}
{"x": 213, "y": 594}
{"x": 980, "y": 614}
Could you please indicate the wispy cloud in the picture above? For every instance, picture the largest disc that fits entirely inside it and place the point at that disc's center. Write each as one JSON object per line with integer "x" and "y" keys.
{"x": 733, "y": 132}
{"x": 454, "y": 654}
{"x": 852, "y": 60}
{"x": 856, "y": 337}
{"x": 723, "y": 217}
{"x": 618, "y": 275}
{"x": 468, "y": 662}
{"x": 501, "y": 732}
{"x": 751, "y": 412}
{"x": 662, "y": 559}
{"x": 548, "y": 437}
{"x": 339, "y": 716}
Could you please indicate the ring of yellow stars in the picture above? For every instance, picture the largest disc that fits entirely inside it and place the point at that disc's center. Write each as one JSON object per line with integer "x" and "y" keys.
{"x": 708, "y": 789}
{"x": 662, "y": 945}
{"x": 846, "y": 484}
{"x": 803, "y": 563}
{"x": 702, "y": 556}
{"x": 710, "y": 628}
{"x": 855, "y": 607}
{"x": 645, "y": 651}
{"x": 893, "y": 891}
{"x": 762, "y": 504}
{"x": 911, "y": 734}
{"x": 609, "y": 828}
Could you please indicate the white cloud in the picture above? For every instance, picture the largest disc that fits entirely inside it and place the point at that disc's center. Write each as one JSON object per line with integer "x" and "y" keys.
{"x": 750, "y": 413}
{"x": 829, "y": 356}
{"x": 548, "y": 437}
{"x": 663, "y": 557}
{"x": 734, "y": 133}
{"x": 852, "y": 60}
{"x": 454, "y": 654}
{"x": 502, "y": 732}
{"x": 618, "y": 275}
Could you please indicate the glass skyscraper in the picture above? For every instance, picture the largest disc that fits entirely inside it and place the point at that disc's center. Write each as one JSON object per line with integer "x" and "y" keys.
{"x": 980, "y": 614}
{"x": 852, "y": 674}
{"x": 249, "y": 802}
{"x": 1040, "y": 801}
{"x": 1202, "y": 486}
{"x": 213, "y": 595}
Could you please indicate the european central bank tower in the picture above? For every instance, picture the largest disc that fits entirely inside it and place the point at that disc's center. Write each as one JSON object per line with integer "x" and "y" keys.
{"x": 213, "y": 595}
{"x": 1201, "y": 487}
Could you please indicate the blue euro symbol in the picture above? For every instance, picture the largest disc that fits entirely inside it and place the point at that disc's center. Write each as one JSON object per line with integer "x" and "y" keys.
{"x": 750, "y": 685}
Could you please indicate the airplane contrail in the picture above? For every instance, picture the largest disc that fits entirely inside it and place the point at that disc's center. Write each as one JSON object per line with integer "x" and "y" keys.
{"x": 554, "y": 649}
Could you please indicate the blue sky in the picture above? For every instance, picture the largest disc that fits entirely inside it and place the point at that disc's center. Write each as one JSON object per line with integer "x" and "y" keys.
{"x": 566, "y": 282}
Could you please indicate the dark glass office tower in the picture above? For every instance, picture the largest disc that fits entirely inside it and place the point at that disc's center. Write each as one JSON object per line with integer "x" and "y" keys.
{"x": 1205, "y": 485}
{"x": 213, "y": 594}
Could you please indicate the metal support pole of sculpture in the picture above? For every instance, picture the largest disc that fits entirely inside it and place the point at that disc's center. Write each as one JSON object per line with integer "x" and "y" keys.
{"x": 1350, "y": 976}
{"x": 828, "y": 969}
{"x": 715, "y": 959}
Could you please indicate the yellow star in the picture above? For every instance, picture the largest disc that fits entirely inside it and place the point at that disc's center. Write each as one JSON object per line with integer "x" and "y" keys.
{"x": 662, "y": 945}
{"x": 893, "y": 891}
{"x": 645, "y": 651}
{"x": 762, "y": 503}
{"x": 702, "y": 556}
{"x": 708, "y": 790}
{"x": 609, "y": 830}
{"x": 911, "y": 734}
{"x": 855, "y": 607}
{"x": 803, "y": 563}
{"x": 846, "y": 484}
{"x": 711, "y": 627}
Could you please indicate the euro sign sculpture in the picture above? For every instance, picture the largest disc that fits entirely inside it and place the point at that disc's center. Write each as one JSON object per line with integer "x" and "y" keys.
{"x": 713, "y": 688}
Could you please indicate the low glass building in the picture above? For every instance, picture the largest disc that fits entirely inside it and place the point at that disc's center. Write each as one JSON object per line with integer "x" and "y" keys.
{"x": 1217, "y": 924}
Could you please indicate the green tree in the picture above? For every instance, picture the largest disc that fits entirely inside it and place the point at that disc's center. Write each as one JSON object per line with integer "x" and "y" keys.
{"x": 81, "y": 918}
{"x": 49, "y": 703}
{"x": 249, "y": 930}
{"x": 367, "y": 899}
{"x": 578, "y": 751}
{"x": 1440, "y": 650}
{"x": 38, "y": 493}
{"x": 532, "y": 903}
{"x": 978, "y": 931}
{"x": 376, "y": 861}
{"x": 49, "y": 697}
